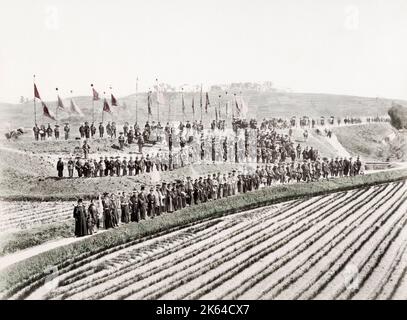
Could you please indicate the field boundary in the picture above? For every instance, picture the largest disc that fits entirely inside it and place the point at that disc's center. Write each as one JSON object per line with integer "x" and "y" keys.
{"x": 31, "y": 273}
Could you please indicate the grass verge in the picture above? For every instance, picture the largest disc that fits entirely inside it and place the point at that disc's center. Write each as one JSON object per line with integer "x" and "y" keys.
{"x": 24, "y": 239}
{"x": 24, "y": 273}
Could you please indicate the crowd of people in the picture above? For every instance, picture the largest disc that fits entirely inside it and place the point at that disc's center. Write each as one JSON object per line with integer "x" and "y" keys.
{"x": 110, "y": 209}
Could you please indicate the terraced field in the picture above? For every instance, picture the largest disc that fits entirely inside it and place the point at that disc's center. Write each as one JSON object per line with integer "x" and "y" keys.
{"x": 339, "y": 246}
{"x": 23, "y": 215}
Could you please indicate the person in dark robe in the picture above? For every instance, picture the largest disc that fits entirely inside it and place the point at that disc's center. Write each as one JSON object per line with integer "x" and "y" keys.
{"x": 60, "y": 168}
{"x": 107, "y": 212}
{"x": 142, "y": 203}
{"x": 170, "y": 199}
{"x": 151, "y": 203}
{"x": 92, "y": 217}
{"x": 135, "y": 215}
{"x": 124, "y": 202}
{"x": 81, "y": 223}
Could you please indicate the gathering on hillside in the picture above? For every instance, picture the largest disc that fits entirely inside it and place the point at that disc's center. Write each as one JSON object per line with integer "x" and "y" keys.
{"x": 110, "y": 209}
{"x": 277, "y": 160}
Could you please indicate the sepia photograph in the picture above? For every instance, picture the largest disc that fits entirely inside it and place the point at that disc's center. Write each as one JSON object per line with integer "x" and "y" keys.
{"x": 203, "y": 150}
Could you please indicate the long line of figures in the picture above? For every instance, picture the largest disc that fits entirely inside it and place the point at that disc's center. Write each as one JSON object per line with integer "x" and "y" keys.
{"x": 89, "y": 130}
{"x": 109, "y": 210}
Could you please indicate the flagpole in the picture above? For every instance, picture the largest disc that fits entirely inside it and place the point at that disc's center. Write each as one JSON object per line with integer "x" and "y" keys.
{"x": 183, "y": 106}
{"x": 93, "y": 105}
{"x": 103, "y": 111}
{"x": 70, "y": 111}
{"x": 158, "y": 103}
{"x": 35, "y": 107}
{"x": 226, "y": 106}
{"x": 137, "y": 100}
{"x": 234, "y": 106}
{"x": 217, "y": 112}
{"x": 200, "y": 101}
{"x": 193, "y": 105}
{"x": 148, "y": 104}
{"x": 56, "y": 110}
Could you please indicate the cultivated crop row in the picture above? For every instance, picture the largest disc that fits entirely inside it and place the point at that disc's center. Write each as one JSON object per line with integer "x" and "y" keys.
{"x": 339, "y": 246}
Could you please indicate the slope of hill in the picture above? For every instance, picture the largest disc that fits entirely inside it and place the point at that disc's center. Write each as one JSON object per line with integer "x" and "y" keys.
{"x": 260, "y": 104}
{"x": 378, "y": 141}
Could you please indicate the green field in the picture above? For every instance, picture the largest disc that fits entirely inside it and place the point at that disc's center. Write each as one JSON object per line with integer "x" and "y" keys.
{"x": 31, "y": 271}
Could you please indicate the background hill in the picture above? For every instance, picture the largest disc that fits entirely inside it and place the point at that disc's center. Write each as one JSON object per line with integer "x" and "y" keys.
{"x": 264, "y": 104}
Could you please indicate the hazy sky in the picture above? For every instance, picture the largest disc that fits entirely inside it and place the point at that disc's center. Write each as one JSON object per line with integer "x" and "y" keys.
{"x": 350, "y": 47}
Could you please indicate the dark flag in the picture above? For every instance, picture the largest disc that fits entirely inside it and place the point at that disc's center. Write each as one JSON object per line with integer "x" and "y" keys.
{"x": 60, "y": 103}
{"x": 114, "y": 101}
{"x": 106, "y": 106}
{"x": 36, "y": 93}
{"x": 95, "y": 94}
{"x": 207, "y": 103}
{"x": 193, "y": 105}
{"x": 47, "y": 112}
{"x": 149, "y": 103}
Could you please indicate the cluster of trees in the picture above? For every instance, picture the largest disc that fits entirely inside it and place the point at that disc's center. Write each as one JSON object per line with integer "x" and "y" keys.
{"x": 398, "y": 116}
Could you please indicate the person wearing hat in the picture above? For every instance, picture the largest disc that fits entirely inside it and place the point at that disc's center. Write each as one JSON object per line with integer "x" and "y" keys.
{"x": 121, "y": 140}
{"x": 78, "y": 167}
{"x": 159, "y": 206}
{"x": 101, "y": 130}
{"x": 358, "y": 164}
{"x": 113, "y": 130}
{"x": 131, "y": 165}
{"x": 56, "y": 132}
{"x": 60, "y": 168}
{"x": 133, "y": 202}
{"x": 85, "y": 148}
{"x": 124, "y": 206}
{"x": 71, "y": 166}
{"x": 87, "y": 130}
{"x": 101, "y": 167}
{"x": 93, "y": 218}
{"x": 124, "y": 166}
{"x": 66, "y": 131}
{"x": 117, "y": 166}
{"x": 111, "y": 166}
{"x": 80, "y": 216}
{"x": 148, "y": 164}
{"x": 107, "y": 165}
{"x": 151, "y": 203}
{"x": 189, "y": 187}
{"x": 49, "y": 131}
{"x": 142, "y": 203}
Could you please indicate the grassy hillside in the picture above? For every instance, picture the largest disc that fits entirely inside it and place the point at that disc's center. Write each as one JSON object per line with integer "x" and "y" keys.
{"x": 374, "y": 141}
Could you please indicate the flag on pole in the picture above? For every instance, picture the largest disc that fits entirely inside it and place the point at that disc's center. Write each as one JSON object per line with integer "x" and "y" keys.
{"x": 207, "y": 103}
{"x": 237, "y": 107}
{"x": 149, "y": 103}
{"x": 244, "y": 107}
{"x": 200, "y": 99}
{"x": 183, "y": 104}
{"x": 47, "y": 112}
{"x": 160, "y": 96}
{"x": 106, "y": 106}
{"x": 193, "y": 105}
{"x": 75, "y": 108}
{"x": 114, "y": 101}
{"x": 95, "y": 94}
{"x": 36, "y": 93}
{"x": 60, "y": 103}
